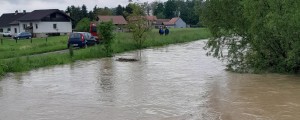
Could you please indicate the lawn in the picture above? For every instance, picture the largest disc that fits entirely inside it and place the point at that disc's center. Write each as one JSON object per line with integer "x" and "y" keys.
{"x": 9, "y": 48}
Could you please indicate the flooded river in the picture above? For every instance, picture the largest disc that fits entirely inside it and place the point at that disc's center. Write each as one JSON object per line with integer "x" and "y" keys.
{"x": 177, "y": 82}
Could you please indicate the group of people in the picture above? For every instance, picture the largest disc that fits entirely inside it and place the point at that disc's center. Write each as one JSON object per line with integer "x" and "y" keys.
{"x": 164, "y": 31}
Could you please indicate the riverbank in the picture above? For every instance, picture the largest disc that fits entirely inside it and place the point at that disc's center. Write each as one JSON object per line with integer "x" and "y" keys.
{"x": 121, "y": 43}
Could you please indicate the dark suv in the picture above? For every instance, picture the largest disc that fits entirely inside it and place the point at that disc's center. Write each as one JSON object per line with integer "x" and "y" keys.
{"x": 21, "y": 35}
{"x": 81, "y": 39}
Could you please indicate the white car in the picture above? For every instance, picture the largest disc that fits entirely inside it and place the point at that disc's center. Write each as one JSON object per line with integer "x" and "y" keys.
{"x": 6, "y": 34}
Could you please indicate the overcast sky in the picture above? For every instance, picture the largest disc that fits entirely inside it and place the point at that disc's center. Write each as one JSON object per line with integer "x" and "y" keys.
{"x": 10, "y": 6}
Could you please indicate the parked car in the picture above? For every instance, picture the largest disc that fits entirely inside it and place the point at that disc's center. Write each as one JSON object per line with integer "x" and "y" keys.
{"x": 6, "y": 34}
{"x": 24, "y": 35}
{"x": 81, "y": 39}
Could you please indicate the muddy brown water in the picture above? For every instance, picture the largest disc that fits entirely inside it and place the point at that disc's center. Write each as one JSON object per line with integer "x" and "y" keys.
{"x": 177, "y": 82}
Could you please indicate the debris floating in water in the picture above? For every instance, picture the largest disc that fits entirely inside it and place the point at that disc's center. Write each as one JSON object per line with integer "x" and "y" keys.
{"x": 126, "y": 59}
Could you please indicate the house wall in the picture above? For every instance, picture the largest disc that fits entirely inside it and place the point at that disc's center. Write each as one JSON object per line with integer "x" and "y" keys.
{"x": 180, "y": 23}
{"x": 21, "y": 25}
{"x": 5, "y": 29}
{"x": 47, "y": 27}
{"x": 12, "y": 30}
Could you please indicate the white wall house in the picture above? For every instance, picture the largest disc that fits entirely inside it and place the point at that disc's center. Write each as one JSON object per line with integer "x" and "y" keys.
{"x": 45, "y": 22}
{"x": 40, "y": 28}
{"x": 4, "y": 29}
{"x": 175, "y": 23}
{"x": 15, "y": 29}
{"x": 8, "y": 18}
{"x": 39, "y": 22}
{"x": 180, "y": 23}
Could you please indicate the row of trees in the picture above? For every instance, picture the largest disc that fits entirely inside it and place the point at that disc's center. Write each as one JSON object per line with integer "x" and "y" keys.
{"x": 260, "y": 35}
{"x": 78, "y": 13}
{"x": 188, "y": 10}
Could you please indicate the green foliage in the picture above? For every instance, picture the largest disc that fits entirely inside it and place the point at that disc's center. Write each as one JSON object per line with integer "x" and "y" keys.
{"x": 138, "y": 25}
{"x": 119, "y": 10}
{"x": 158, "y": 9}
{"x": 106, "y": 30}
{"x": 11, "y": 49}
{"x": 170, "y": 9}
{"x": 83, "y": 25}
{"x": 103, "y": 11}
{"x": 259, "y": 35}
{"x": 84, "y": 12}
{"x": 75, "y": 14}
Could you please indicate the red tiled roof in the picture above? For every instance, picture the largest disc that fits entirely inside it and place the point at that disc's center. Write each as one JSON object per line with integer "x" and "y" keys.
{"x": 151, "y": 18}
{"x": 117, "y": 20}
{"x": 173, "y": 20}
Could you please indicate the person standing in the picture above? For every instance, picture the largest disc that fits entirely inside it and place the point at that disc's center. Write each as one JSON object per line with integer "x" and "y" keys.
{"x": 161, "y": 31}
{"x": 166, "y": 31}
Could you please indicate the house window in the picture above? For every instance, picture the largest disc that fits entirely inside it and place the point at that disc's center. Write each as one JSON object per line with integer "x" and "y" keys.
{"x": 30, "y": 24}
{"x": 54, "y": 26}
{"x": 1, "y": 30}
{"x": 36, "y": 26}
{"x": 8, "y": 29}
{"x": 16, "y": 31}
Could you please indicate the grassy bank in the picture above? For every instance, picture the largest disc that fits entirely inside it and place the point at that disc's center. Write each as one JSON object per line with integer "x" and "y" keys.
{"x": 9, "y": 48}
{"x": 122, "y": 43}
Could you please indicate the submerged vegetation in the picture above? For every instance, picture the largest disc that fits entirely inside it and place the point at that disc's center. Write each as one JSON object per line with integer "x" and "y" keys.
{"x": 122, "y": 42}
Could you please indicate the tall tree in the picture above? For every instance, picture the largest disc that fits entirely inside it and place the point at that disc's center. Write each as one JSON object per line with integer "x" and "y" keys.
{"x": 170, "y": 9}
{"x": 119, "y": 10}
{"x": 158, "y": 9}
{"x": 84, "y": 12}
{"x": 83, "y": 25}
{"x": 104, "y": 11}
{"x": 258, "y": 35}
{"x": 75, "y": 13}
{"x": 147, "y": 8}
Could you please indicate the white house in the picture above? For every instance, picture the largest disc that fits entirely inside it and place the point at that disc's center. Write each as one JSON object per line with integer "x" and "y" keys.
{"x": 41, "y": 23}
{"x": 7, "y": 18}
{"x": 175, "y": 23}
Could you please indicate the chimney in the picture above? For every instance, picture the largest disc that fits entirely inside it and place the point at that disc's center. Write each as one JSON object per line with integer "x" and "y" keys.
{"x": 24, "y": 11}
{"x": 16, "y": 12}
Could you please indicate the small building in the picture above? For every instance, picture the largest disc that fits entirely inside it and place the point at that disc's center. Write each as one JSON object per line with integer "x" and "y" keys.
{"x": 175, "y": 23}
{"x": 118, "y": 21}
{"x": 171, "y": 23}
{"x": 39, "y": 22}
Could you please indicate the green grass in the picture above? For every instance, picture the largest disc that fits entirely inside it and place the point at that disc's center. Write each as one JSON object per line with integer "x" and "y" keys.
{"x": 9, "y": 48}
{"x": 123, "y": 42}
